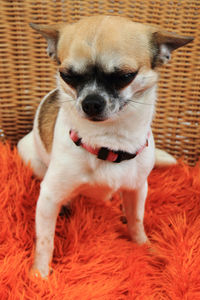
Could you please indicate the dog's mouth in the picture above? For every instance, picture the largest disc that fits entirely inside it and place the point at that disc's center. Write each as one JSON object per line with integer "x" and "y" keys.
{"x": 97, "y": 119}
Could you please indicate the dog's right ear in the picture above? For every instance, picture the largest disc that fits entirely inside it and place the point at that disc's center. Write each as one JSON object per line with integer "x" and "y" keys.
{"x": 51, "y": 34}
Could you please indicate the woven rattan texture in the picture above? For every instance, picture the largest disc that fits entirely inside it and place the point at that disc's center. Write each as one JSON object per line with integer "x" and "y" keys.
{"x": 27, "y": 74}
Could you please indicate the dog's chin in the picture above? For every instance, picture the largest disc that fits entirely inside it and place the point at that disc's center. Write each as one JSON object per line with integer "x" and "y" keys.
{"x": 110, "y": 118}
{"x": 99, "y": 119}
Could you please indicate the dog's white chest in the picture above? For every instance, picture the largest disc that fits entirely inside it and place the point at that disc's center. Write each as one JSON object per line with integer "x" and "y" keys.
{"x": 74, "y": 165}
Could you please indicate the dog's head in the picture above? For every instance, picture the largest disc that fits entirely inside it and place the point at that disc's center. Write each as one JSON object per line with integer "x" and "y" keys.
{"x": 106, "y": 63}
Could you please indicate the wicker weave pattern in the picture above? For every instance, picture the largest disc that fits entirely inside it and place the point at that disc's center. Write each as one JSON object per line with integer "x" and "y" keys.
{"x": 27, "y": 74}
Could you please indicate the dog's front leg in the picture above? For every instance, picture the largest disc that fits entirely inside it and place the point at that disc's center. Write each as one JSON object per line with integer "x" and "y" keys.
{"x": 54, "y": 190}
{"x": 134, "y": 204}
{"x": 46, "y": 215}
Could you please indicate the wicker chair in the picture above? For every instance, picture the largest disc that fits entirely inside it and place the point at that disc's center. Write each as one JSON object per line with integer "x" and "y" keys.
{"x": 27, "y": 74}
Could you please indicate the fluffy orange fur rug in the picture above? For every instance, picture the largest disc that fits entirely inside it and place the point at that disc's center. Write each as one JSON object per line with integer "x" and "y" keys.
{"x": 94, "y": 257}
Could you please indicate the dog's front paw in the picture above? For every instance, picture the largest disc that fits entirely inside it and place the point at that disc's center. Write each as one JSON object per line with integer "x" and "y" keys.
{"x": 139, "y": 237}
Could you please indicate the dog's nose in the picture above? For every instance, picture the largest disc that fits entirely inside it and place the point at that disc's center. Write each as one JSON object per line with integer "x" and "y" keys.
{"x": 93, "y": 105}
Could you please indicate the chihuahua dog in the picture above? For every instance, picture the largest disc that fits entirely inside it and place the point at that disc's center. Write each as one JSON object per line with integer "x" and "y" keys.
{"x": 92, "y": 134}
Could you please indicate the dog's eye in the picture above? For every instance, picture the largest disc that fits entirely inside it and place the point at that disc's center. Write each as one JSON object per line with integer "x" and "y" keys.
{"x": 123, "y": 79}
{"x": 71, "y": 79}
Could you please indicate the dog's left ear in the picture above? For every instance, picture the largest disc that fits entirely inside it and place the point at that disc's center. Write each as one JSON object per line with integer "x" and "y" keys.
{"x": 164, "y": 43}
{"x": 51, "y": 34}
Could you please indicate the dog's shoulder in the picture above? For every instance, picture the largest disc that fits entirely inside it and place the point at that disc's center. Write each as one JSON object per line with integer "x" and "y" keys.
{"x": 47, "y": 115}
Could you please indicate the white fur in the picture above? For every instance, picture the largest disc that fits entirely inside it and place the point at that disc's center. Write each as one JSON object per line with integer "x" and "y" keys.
{"x": 165, "y": 53}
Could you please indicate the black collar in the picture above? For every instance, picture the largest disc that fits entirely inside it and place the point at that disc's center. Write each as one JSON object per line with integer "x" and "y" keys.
{"x": 105, "y": 153}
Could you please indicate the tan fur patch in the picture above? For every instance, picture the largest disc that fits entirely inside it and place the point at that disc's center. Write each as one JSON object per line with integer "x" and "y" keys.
{"x": 109, "y": 41}
{"x": 47, "y": 119}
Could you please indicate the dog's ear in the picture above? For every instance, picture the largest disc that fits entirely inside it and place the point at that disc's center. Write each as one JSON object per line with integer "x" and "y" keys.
{"x": 51, "y": 34}
{"x": 164, "y": 43}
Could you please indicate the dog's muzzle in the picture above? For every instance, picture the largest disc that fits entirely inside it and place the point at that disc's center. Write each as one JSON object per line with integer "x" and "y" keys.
{"x": 93, "y": 105}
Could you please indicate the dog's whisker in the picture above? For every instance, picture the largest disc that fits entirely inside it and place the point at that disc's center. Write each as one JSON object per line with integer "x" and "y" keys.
{"x": 137, "y": 102}
{"x": 67, "y": 101}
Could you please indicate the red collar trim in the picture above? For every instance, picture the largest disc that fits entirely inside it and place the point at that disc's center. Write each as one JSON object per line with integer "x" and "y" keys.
{"x": 105, "y": 153}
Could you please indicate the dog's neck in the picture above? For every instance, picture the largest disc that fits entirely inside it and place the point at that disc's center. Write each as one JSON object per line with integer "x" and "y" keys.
{"x": 126, "y": 131}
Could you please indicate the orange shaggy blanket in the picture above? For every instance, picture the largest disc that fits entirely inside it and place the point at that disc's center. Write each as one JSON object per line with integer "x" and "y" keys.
{"x": 94, "y": 257}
